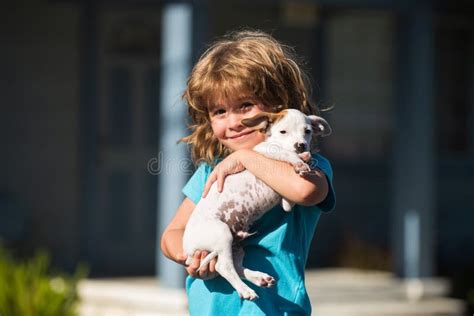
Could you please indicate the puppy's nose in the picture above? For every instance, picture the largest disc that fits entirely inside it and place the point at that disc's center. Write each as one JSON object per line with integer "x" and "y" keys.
{"x": 300, "y": 147}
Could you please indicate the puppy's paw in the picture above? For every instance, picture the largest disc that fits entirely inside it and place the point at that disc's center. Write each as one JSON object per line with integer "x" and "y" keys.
{"x": 267, "y": 281}
{"x": 261, "y": 279}
{"x": 301, "y": 168}
{"x": 248, "y": 294}
{"x": 306, "y": 156}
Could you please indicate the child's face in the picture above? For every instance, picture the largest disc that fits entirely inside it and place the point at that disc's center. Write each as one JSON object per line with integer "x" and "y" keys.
{"x": 226, "y": 116}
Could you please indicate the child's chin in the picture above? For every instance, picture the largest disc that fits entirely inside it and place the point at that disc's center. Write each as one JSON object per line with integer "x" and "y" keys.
{"x": 235, "y": 148}
{"x": 243, "y": 145}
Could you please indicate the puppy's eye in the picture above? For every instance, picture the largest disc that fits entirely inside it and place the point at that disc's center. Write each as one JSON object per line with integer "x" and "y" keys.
{"x": 282, "y": 132}
{"x": 307, "y": 131}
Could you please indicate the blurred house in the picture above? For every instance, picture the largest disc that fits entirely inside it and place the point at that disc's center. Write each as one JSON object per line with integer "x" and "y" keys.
{"x": 81, "y": 125}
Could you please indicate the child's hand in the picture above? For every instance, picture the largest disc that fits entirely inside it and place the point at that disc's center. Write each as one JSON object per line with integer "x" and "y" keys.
{"x": 230, "y": 165}
{"x": 206, "y": 272}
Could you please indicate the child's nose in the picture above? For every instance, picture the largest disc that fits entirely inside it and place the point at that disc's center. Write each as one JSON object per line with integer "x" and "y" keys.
{"x": 235, "y": 120}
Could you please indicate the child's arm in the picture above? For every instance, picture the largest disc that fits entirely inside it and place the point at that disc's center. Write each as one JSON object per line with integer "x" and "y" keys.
{"x": 172, "y": 243}
{"x": 305, "y": 190}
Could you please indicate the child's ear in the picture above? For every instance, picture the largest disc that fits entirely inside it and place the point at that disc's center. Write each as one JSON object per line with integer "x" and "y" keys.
{"x": 320, "y": 126}
{"x": 258, "y": 122}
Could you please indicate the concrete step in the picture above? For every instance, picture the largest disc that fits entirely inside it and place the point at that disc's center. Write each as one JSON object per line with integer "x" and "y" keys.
{"x": 351, "y": 292}
{"x": 333, "y": 292}
{"x": 430, "y": 307}
{"x": 355, "y": 285}
{"x": 130, "y": 297}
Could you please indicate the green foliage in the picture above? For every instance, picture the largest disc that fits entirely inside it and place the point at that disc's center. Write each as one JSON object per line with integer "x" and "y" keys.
{"x": 29, "y": 289}
{"x": 470, "y": 298}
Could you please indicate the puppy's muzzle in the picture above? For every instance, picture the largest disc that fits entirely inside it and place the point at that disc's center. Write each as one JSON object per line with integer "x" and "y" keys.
{"x": 300, "y": 147}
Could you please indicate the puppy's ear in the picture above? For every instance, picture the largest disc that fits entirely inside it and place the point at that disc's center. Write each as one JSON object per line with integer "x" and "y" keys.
{"x": 320, "y": 126}
{"x": 258, "y": 122}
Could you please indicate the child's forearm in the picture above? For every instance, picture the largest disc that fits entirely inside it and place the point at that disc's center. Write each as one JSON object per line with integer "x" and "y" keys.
{"x": 282, "y": 178}
{"x": 172, "y": 247}
{"x": 172, "y": 244}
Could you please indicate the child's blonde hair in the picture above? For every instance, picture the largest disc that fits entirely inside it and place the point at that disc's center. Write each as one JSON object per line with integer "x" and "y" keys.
{"x": 244, "y": 63}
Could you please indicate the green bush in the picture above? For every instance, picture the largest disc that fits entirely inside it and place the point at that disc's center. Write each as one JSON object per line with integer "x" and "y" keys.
{"x": 470, "y": 298}
{"x": 30, "y": 289}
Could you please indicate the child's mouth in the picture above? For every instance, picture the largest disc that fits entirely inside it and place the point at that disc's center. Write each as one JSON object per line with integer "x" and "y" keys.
{"x": 240, "y": 136}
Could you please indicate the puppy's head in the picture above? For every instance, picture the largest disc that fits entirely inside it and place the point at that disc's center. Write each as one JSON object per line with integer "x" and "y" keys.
{"x": 290, "y": 128}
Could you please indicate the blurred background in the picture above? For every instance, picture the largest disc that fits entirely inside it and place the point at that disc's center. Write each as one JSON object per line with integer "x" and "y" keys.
{"x": 85, "y": 108}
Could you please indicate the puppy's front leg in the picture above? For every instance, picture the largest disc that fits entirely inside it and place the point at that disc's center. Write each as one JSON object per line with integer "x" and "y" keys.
{"x": 276, "y": 152}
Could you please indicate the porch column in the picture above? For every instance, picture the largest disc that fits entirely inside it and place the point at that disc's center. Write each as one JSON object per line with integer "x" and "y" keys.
{"x": 172, "y": 158}
{"x": 413, "y": 205}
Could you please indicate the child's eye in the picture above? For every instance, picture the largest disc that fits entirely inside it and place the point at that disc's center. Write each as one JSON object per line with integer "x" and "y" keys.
{"x": 282, "y": 132}
{"x": 246, "y": 105}
{"x": 218, "y": 112}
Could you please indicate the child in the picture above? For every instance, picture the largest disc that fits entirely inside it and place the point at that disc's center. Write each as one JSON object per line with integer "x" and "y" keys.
{"x": 238, "y": 77}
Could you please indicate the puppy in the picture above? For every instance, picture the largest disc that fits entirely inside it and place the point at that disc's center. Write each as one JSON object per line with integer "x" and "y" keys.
{"x": 220, "y": 220}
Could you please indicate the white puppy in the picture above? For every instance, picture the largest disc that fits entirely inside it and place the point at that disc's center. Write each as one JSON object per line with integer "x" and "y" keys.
{"x": 221, "y": 220}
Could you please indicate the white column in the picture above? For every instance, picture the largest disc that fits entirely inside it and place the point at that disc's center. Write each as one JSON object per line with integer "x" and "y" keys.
{"x": 176, "y": 49}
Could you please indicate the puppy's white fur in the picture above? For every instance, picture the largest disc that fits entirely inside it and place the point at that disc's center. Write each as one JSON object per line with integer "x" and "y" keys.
{"x": 220, "y": 220}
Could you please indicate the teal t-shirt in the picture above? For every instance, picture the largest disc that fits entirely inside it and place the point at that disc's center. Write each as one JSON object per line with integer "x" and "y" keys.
{"x": 279, "y": 248}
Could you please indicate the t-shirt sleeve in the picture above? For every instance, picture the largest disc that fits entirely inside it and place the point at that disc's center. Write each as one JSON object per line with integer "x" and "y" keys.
{"x": 321, "y": 163}
{"x": 194, "y": 188}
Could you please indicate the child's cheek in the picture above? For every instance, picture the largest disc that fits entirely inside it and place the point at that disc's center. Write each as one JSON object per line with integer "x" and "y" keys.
{"x": 260, "y": 137}
{"x": 217, "y": 128}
